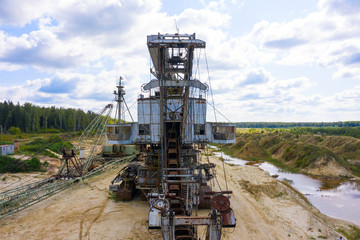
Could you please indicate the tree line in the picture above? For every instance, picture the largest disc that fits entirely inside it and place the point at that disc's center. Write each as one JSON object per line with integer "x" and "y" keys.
{"x": 337, "y": 131}
{"x": 296, "y": 124}
{"x": 30, "y": 118}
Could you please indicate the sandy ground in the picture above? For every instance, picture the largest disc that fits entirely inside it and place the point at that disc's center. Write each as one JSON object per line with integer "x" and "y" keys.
{"x": 264, "y": 207}
{"x": 13, "y": 180}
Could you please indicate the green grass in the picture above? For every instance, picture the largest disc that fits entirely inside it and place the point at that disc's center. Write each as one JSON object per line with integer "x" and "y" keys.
{"x": 294, "y": 150}
{"x": 112, "y": 196}
{"x": 36, "y": 145}
{"x": 352, "y": 234}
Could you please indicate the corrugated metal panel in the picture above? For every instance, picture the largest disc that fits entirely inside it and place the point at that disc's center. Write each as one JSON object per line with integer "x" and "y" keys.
{"x": 189, "y": 133}
{"x": 149, "y": 113}
{"x": 208, "y": 131}
{"x": 155, "y": 133}
{"x": 6, "y": 149}
{"x": 196, "y": 115}
{"x": 197, "y": 111}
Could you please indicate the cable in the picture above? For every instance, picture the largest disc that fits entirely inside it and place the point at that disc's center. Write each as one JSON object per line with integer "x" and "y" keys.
{"x": 223, "y": 163}
{"x": 214, "y": 173}
{"x": 212, "y": 96}
{"x": 220, "y": 113}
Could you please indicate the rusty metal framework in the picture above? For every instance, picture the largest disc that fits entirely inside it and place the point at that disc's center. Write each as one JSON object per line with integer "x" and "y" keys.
{"x": 20, "y": 198}
{"x": 170, "y": 130}
{"x": 93, "y": 135}
{"x": 72, "y": 169}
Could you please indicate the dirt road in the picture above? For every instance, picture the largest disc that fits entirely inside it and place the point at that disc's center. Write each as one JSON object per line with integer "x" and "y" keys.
{"x": 265, "y": 209}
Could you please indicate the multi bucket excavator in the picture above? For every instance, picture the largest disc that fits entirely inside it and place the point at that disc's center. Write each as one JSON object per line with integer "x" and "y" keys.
{"x": 169, "y": 135}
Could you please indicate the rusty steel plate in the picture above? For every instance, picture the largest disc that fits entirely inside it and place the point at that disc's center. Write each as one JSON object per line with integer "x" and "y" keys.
{"x": 220, "y": 203}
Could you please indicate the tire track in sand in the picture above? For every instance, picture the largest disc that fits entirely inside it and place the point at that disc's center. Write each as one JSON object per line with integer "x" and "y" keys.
{"x": 98, "y": 215}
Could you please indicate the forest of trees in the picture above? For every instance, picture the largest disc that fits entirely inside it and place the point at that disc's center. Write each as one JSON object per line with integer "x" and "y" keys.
{"x": 296, "y": 124}
{"x": 30, "y": 118}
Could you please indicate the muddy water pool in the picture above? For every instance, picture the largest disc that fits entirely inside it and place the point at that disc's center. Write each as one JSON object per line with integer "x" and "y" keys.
{"x": 341, "y": 200}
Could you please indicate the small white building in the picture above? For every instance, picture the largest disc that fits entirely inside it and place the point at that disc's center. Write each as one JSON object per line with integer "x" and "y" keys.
{"x": 6, "y": 149}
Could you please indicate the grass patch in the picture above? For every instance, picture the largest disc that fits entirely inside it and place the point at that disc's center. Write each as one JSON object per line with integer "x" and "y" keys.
{"x": 280, "y": 194}
{"x": 53, "y": 143}
{"x": 295, "y": 151}
{"x": 352, "y": 234}
{"x": 280, "y": 164}
{"x": 112, "y": 196}
{"x": 297, "y": 192}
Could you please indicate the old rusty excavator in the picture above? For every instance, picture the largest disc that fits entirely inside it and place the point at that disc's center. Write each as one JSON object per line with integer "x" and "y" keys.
{"x": 169, "y": 134}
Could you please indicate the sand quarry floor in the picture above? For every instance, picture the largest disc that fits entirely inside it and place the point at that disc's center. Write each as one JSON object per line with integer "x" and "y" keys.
{"x": 264, "y": 207}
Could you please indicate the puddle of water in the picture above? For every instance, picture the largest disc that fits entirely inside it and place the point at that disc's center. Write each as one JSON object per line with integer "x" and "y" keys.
{"x": 342, "y": 201}
{"x": 302, "y": 183}
{"x": 230, "y": 160}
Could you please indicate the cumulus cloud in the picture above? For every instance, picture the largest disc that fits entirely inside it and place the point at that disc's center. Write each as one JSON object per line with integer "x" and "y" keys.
{"x": 299, "y": 83}
{"x": 85, "y": 45}
{"x": 352, "y": 59}
{"x": 39, "y": 49}
{"x": 345, "y": 7}
{"x": 284, "y": 43}
{"x": 327, "y": 38}
{"x": 21, "y": 93}
{"x": 65, "y": 90}
{"x": 256, "y": 76}
{"x": 20, "y": 13}
{"x": 73, "y": 33}
{"x": 57, "y": 85}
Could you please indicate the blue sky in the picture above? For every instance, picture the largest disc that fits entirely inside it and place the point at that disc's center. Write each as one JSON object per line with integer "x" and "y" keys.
{"x": 269, "y": 60}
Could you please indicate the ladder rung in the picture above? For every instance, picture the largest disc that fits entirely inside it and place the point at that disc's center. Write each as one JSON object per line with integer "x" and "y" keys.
{"x": 174, "y": 187}
{"x": 181, "y": 181}
{"x": 173, "y": 161}
{"x": 179, "y": 175}
{"x": 172, "y": 150}
{"x": 170, "y": 169}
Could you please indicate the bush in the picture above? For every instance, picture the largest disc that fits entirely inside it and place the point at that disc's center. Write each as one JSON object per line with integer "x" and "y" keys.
{"x": 50, "y": 130}
{"x": 14, "y": 130}
{"x": 8, "y": 164}
{"x": 13, "y": 165}
{"x": 33, "y": 164}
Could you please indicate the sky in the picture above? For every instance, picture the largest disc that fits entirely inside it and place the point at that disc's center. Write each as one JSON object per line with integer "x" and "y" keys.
{"x": 276, "y": 60}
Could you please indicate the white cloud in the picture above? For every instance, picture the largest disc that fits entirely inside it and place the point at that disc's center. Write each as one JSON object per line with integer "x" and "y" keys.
{"x": 23, "y": 92}
{"x": 344, "y": 7}
{"x": 323, "y": 38}
{"x": 88, "y": 44}
{"x": 20, "y": 13}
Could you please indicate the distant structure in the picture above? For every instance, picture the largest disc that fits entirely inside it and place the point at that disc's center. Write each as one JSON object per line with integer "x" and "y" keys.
{"x": 6, "y": 149}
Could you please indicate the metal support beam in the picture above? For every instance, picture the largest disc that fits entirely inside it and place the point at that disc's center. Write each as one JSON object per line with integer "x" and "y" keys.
{"x": 15, "y": 200}
{"x": 191, "y": 220}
